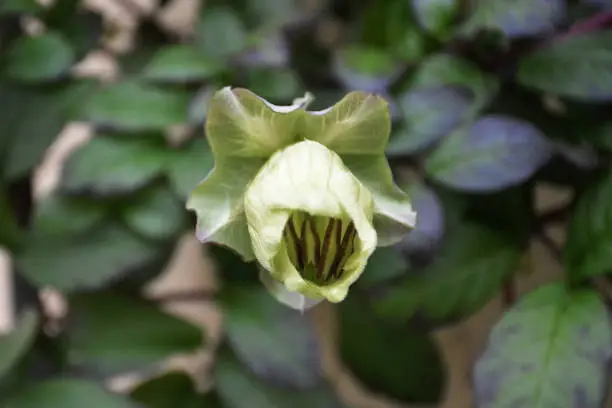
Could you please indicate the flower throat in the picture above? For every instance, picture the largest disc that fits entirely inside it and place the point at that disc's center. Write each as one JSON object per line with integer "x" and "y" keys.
{"x": 319, "y": 246}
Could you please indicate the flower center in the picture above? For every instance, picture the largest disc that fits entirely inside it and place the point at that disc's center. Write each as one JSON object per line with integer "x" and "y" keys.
{"x": 319, "y": 246}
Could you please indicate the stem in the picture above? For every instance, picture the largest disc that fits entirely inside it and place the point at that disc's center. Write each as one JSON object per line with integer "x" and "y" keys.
{"x": 509, "y": 294}
{"x": 197, "y": 295}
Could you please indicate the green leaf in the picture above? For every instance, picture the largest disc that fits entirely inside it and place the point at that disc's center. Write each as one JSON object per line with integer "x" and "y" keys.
{"x": 87, "y": 260}
{"x": 232, "y": 269}
{"x": 19, "y": 6}
{"x": 430, "y": 113}
{"x": 586, "y": 252}
{"x": 445, "y": 69}
{"x": 551, "y": 349}
{"x": 31, "y": 120}
{"x": 15, "y": 344}
{"x": 278, "y": 344}
{"x": 516, "y": 18}
{"x": 468, "y": 272}
{"x": 366, "y": 68}
{"x": 188, "y": 166}
{"x": 275, "y": 84}
{"x": 38, "y": 58}
{"x": 82, "y": 29}
{"x": 430, "y": 227}
{"x": 133, "y": 106}
{"x": 66, "y": 393}
{"x": 494, "y": 153}
{"x": 114, "y": 165}
{"x": 436, "y": 16}
{"x": 172, "y": 390}
{"x": 181, "y": 63}
{"x": 156, "y": 214}
{"x": 138, "y": 335}
{"x": 219, "y": 32}
{"x": 577, "y": 66}
{"x": 59, "y": 215}
{"x": 11, "y": 234}
{"x": 239, "y": 389}
{"x": 386, "y": 263}
{"x": 401, "y": 363}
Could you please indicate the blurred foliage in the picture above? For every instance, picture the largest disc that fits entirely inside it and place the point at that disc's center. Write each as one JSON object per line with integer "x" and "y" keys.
{"x": 489, "y": 98}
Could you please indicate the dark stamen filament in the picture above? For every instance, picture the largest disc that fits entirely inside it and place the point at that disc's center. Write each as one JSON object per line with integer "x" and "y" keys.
{"x": 297, "y": 241}
{"x": 325, "y": 248}
{"x": 332, "y": 247}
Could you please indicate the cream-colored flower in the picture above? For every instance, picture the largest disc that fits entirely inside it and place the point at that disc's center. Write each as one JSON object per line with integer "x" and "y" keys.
{"x": 310, "y": 221}
{"x": 308, "y": 195}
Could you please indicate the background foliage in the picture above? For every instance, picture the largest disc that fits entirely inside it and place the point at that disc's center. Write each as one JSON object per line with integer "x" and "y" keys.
{"x": 489, "y": 99}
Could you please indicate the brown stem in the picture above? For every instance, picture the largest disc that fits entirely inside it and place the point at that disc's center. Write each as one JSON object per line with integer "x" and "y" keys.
{"x": 185, "y": 296}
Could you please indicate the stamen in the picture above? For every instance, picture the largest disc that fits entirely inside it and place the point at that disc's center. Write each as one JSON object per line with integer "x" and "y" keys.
{"x": 297, "y": 243}
{"x": 317, "y": 243}
{"x": 334, "y": 270}
{"x": 325, "y": 247}
{"x": 303, "y": 243}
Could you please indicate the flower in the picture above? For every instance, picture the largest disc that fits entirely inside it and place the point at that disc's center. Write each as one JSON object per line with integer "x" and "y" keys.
{"x": 309, "y": 195}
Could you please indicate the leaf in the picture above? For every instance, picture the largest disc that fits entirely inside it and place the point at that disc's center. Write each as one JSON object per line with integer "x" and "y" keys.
{"x": 277, "y": 343}
{"x": 59, "y": 215}
{"x": 576, "y": 66}
{"x": 494, "y": 153}
{"x": 586, "y": 253}
{"x": 198, "y": 107}
{"x": 430, "y": 225}
{"x": 11, "y": 234}
{"x": 83, "y": 261}
{"x": 468, "y": 272}
{"x": 39, "y": 58}
{"x": 219, "y": 32}
{"x": 365, "y": 68}
{"x": 182, "y": 167}
{"x": 274, "y": 84}
{"x": 239, "y": 389}
{"x": 171, "y": 390}
{"x": 31, "y": 120}
{"x": 114, "y": 165}
{"x": 385, "y": 263}
{"x": 232, "y": 269}
{"x": 15, "y": 344}
{"x": 82, "y": 29}
{"x": 134, "y": 107}
{"x": 516, "y": 18}
{"x": 400, "y": 363}
{"x": 156, "y": 214}
{"x": 430, "y": 113}
{"x": 552, "y": 349}
{"x": 276, "y": 12}
{"x": 436, "y": 16}
{"x": 181, "y": 63}
{"x": 446, "y": 69}
{"x": 139, "y": 334}
{"x": 8, "y": 7}
{"x": 66, "y": 393}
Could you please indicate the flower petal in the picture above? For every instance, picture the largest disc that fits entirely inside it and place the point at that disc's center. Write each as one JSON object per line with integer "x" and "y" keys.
{"x": 360, "y": 123}
{"x": 240, "y": 123}
{"x": 393, "y": 214}
{"x": 218, "y": 202}
{"x": 307, "y": 177}
{"x": 294, "y": 300}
